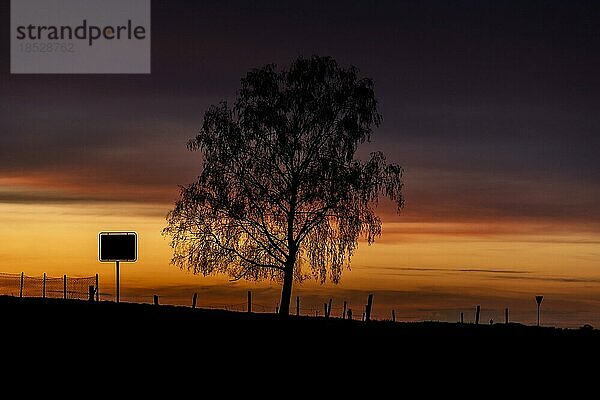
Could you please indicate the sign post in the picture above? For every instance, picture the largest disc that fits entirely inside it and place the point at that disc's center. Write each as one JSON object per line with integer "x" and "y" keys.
{"x": 538, "y": 300}
{"x": 117, "y": 281}
{"x": 117, "y": 247}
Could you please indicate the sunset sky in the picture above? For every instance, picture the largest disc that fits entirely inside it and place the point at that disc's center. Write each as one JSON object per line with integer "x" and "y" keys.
{"x": 491, "y": 107}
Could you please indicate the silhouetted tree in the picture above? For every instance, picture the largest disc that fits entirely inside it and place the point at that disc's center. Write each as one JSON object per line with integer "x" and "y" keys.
{"x": 281, "y": 195}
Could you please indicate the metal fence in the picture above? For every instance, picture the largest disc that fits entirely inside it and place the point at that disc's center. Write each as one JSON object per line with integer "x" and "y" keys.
{"x": 64, "y": 287}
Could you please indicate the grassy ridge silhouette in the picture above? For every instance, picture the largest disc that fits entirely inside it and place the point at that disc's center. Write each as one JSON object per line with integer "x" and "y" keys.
{"x": 94, "y": 340}
{"x": 93, "y": 321}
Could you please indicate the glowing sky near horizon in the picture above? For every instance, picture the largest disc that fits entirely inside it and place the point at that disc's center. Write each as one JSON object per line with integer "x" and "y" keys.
{"x": 490, "y": 108}
{"x": 424, "y": 271}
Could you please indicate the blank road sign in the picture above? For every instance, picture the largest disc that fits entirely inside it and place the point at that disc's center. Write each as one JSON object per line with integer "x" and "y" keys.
{"x": 117, "y": 246}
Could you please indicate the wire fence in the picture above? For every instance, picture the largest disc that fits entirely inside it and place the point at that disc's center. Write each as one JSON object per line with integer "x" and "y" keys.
{"x": 65, "y": 287}
{"x": 356, "y": 310}
{"x": 21, "y": 285}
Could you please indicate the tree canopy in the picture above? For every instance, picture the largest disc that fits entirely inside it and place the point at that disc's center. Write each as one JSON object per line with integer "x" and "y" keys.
{"x": 282, "y": 194}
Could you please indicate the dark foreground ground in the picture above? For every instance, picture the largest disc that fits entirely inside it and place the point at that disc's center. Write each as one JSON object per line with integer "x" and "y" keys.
{"x": 80, "y": 321}
{"x": 85, "y": 336}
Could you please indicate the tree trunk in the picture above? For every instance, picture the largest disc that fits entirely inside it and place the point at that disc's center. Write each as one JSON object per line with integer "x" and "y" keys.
{"x": 286, "y": 291}
{"x": 290, "y": 262}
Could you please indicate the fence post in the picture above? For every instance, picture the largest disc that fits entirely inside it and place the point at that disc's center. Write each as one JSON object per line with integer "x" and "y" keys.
{"x": 477, "y": 311}
{"x": 65, "y": 287}
{"x": 91, "y": 293}
{"x": 506, "y": 315}
{"x": 344, "y": 311}
{"x": 297, "y": 306}
{"x": 21, "y": 289}
{"x": 325, "y": 310}
{"x": 155, "y": 299}
{"x": 249, "y": 301}
{"x": 393, "y": 315}
{"x": 369, "y": 306}
{"x": 462, "y": 317}
{"x": 194, "y": 299}
{"x": 329, "y": 309}
{"x": 363, "y": 317}
{"x": 44, "y": 287}
{"x": 277, "y": 308}
{"x": 97, "y": 290}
